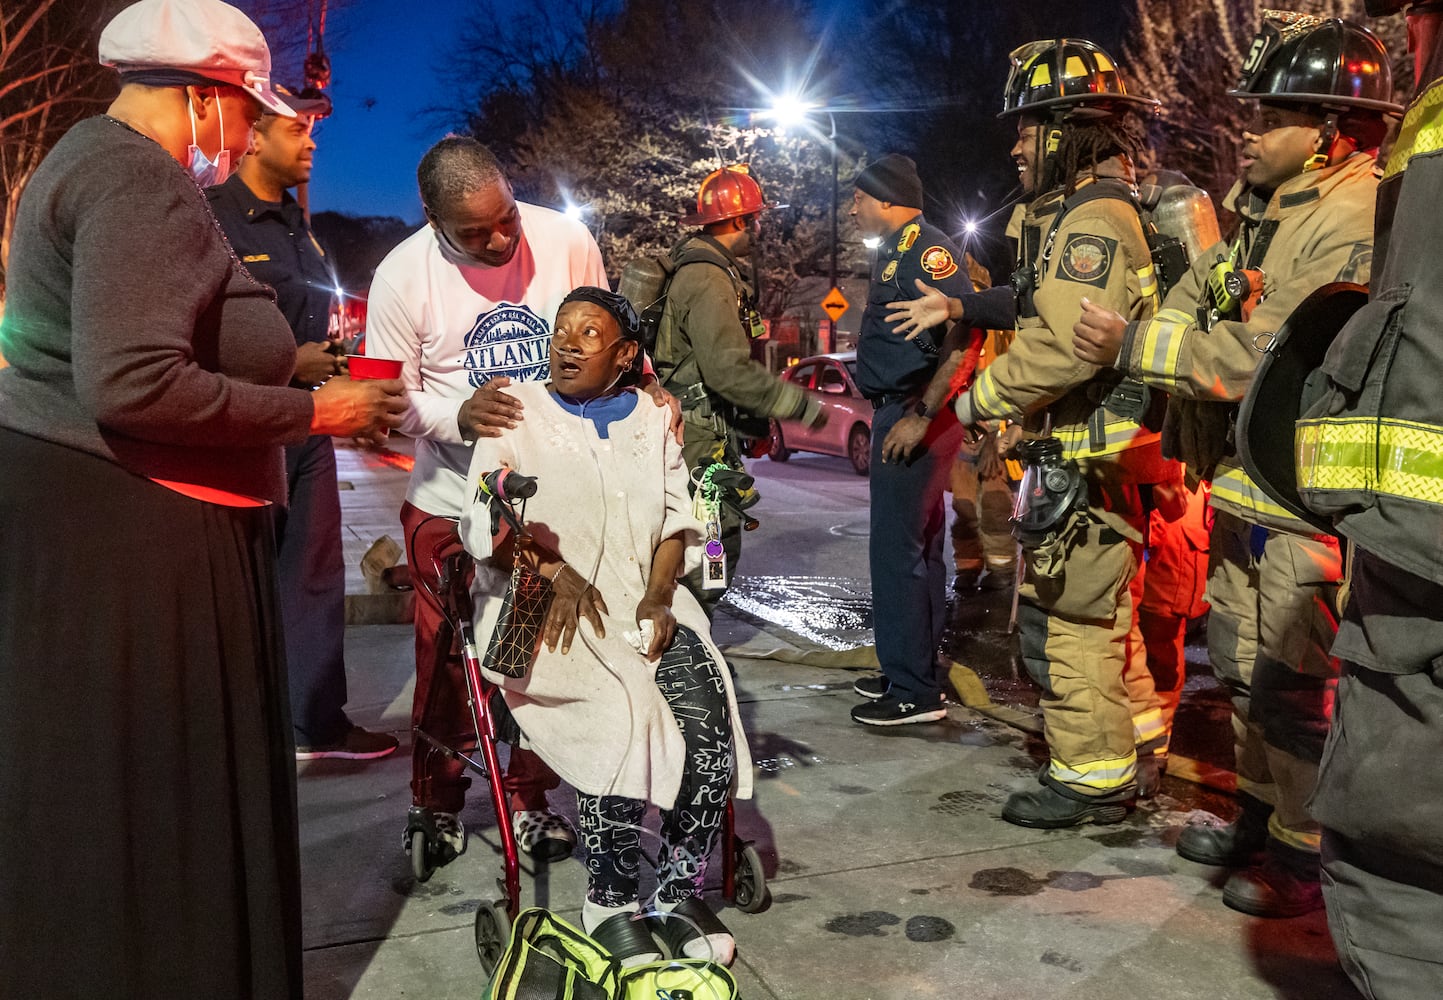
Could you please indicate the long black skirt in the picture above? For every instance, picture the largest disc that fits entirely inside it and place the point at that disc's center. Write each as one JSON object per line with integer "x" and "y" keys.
{"x": 148, "y": 841}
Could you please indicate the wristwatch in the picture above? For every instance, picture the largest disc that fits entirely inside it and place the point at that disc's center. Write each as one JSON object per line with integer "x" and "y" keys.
{"x": 920, "y": 409}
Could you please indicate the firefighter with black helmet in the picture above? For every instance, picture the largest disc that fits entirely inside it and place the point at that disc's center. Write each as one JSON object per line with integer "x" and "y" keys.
{"x": 1080, "y": 515}
{"x": 1304, "y": 207}
{"x": 1367, "y": 456}
{"x": 703, "y": 358}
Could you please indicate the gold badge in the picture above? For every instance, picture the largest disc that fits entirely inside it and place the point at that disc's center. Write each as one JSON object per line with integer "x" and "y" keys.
{"x": 909, "y": 237}
{"x": 938, "y": 262}
{"x": 889, "y": 270}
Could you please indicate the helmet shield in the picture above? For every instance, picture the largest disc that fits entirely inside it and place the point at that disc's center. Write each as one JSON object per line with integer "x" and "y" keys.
{"x": 1306, "y": 59}
{"x": 1058, "y": 77}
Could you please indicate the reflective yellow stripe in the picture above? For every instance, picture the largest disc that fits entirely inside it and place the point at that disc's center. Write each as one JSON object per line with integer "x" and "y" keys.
{"x": 1148, "y": 727}
{"x": 1303, "y": 840}
{"x": 1118, "y": 435}
{"x": 1232, "y": 486}
{"x": 1162, "y": 338}
{"x": 1102, "y": 775}
{"x": 1147, "y": 277}
{"x": 1396, "y": 457}
{"x": 1422, "y": 130}
{"x": 986, "y": 402}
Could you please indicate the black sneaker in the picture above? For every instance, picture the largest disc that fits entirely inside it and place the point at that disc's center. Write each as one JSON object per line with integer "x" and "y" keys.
{"x": 357, "y": 744}
{"x": 873, "y": 687}
{"x": 890, "y": 711}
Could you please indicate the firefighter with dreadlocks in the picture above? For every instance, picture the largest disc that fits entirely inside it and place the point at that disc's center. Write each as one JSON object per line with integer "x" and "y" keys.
{"x": 1080, "y": 515}
{"x": 1305, "y": 211}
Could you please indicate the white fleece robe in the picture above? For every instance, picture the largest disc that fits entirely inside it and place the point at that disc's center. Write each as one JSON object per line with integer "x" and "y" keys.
{"x": 605, "y": 504}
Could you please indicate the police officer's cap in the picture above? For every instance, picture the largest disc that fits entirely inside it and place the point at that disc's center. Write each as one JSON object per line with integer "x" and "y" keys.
{"x": 892, "y": 178}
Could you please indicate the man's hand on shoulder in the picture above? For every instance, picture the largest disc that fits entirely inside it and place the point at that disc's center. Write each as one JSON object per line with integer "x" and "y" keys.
{"x": 661, "y": 397}
{"x": 489, "y": 411}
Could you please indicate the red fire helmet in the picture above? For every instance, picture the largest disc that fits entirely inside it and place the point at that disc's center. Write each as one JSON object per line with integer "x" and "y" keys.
{"x": 727, "y": 193}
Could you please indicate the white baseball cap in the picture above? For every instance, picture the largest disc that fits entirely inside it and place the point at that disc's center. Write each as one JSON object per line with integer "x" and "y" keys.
{"x": 206, "y": 37}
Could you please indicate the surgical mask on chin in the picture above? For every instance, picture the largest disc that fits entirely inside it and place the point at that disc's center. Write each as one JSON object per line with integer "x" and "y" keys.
{"x": 207, "y": 172}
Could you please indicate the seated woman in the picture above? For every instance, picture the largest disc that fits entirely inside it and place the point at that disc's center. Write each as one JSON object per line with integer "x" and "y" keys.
{"x": 628, "y": 699}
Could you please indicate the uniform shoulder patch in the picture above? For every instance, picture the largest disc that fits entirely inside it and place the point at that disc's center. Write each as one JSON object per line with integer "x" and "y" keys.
{"x": 1087, "y": 259}
{"x": 910, "y": 232}
{"x": 939, "y": 262}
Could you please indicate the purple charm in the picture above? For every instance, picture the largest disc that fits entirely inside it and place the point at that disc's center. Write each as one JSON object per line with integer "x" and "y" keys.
{"x": 714, "y": 549}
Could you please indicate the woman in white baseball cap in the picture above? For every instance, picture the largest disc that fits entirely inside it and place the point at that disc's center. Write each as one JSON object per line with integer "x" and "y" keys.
{"x": 148, "y": 842}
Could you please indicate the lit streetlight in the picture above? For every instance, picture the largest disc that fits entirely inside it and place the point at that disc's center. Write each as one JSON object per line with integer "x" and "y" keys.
{"x": 789, "y": 111}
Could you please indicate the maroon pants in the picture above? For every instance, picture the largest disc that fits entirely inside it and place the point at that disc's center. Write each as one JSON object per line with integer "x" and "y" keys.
{"x": 439, "y": 703}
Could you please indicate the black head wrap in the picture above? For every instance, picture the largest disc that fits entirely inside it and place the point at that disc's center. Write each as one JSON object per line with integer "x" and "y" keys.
{"x": 626, "y": 318}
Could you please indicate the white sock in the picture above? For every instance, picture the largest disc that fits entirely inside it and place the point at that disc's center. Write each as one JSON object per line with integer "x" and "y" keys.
{"x": 593, "y": 915}
{"x": 718, "y": 948}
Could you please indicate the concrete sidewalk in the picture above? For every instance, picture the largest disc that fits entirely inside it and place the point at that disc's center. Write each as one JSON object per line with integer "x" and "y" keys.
{"x": 891, "y": 875}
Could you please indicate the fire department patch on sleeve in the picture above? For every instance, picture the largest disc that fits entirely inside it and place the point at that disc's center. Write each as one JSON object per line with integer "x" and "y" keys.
{"x": 1087, "y": 259}
{"x": 938, "y": 262}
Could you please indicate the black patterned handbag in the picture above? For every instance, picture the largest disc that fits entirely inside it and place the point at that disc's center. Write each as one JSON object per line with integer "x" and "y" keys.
{"x": 517, "y": 636}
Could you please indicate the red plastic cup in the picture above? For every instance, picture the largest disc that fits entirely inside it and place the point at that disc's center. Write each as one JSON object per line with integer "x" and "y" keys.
{"x": 362, "y": 367}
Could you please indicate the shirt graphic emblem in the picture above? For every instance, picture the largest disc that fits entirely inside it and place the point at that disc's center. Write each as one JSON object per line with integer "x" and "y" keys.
{"x": 510, "y": 340}
{"x": 1087, "y": 259}
{"x": 938, "y": 262}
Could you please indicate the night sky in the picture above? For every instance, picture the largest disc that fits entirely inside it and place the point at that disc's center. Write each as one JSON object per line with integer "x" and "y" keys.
{"x": 384, "y": 80}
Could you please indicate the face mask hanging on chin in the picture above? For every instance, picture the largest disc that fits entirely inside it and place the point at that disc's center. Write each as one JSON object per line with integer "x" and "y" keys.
{"x": 207, "y": 172}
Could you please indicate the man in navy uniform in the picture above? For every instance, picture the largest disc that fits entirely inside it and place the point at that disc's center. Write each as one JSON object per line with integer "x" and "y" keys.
{"x": 272, "y": 237}
{"x": 909, "y": 572}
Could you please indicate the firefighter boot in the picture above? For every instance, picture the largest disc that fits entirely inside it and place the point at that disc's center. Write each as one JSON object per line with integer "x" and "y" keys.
{"x": 1047, "y": 807}
{"x": 1231, "y": 846}
{"x": 1286, "y": 883}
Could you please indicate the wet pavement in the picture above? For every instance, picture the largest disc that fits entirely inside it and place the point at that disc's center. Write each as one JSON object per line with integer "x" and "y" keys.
{"x": 889, "y": 872}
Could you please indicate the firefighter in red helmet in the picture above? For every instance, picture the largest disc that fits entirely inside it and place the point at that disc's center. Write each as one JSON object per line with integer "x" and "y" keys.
{"x": 703, "y": 357}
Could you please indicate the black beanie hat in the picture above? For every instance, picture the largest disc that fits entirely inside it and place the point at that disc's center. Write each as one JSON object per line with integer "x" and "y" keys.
{"x": 892, "y": 178}
{"x": 620, "y": 309}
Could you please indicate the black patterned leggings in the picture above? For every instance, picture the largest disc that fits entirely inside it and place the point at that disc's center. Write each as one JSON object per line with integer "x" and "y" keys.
{"x": 692, "y": 684}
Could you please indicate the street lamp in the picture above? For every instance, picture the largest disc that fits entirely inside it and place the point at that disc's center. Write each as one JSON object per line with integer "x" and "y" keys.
{"x": 788, "y": 111}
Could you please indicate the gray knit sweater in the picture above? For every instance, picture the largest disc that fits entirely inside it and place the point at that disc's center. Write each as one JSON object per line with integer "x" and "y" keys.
{"x": 132, "y": 331}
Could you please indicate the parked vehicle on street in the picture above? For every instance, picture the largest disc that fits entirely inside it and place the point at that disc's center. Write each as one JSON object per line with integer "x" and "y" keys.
{"x": 848, "y": 431}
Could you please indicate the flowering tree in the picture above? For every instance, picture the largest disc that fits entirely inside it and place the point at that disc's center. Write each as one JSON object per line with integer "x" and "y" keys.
{"x": 1188, "y": 53}
{"x": 623, "y": 108}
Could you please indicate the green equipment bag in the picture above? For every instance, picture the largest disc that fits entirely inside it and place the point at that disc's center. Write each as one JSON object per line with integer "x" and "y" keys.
{"x": 548, "y": 959}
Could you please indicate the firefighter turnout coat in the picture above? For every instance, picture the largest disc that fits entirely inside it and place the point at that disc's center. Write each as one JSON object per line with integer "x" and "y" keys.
{"x": 1316, "y": 228}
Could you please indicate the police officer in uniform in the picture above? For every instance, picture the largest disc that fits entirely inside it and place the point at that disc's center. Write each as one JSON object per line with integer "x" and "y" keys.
{"x": 1304, "y": 205}
{"x": 1368, "y": 455}
{"x": 703, "y": 358}
{"x": 1079, "y": 134}
{"x": 908, "y": 522}
{"x": 270, "y": 233}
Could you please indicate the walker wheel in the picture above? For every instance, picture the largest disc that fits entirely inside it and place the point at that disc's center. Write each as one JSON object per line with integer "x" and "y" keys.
{"x": 751, "y": 881}
{"x": 493, "y": 933}
{"x": 421, "y": 866}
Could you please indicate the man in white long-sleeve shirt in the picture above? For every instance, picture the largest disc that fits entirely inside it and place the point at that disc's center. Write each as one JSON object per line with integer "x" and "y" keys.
{"x": 466, "y": 303}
